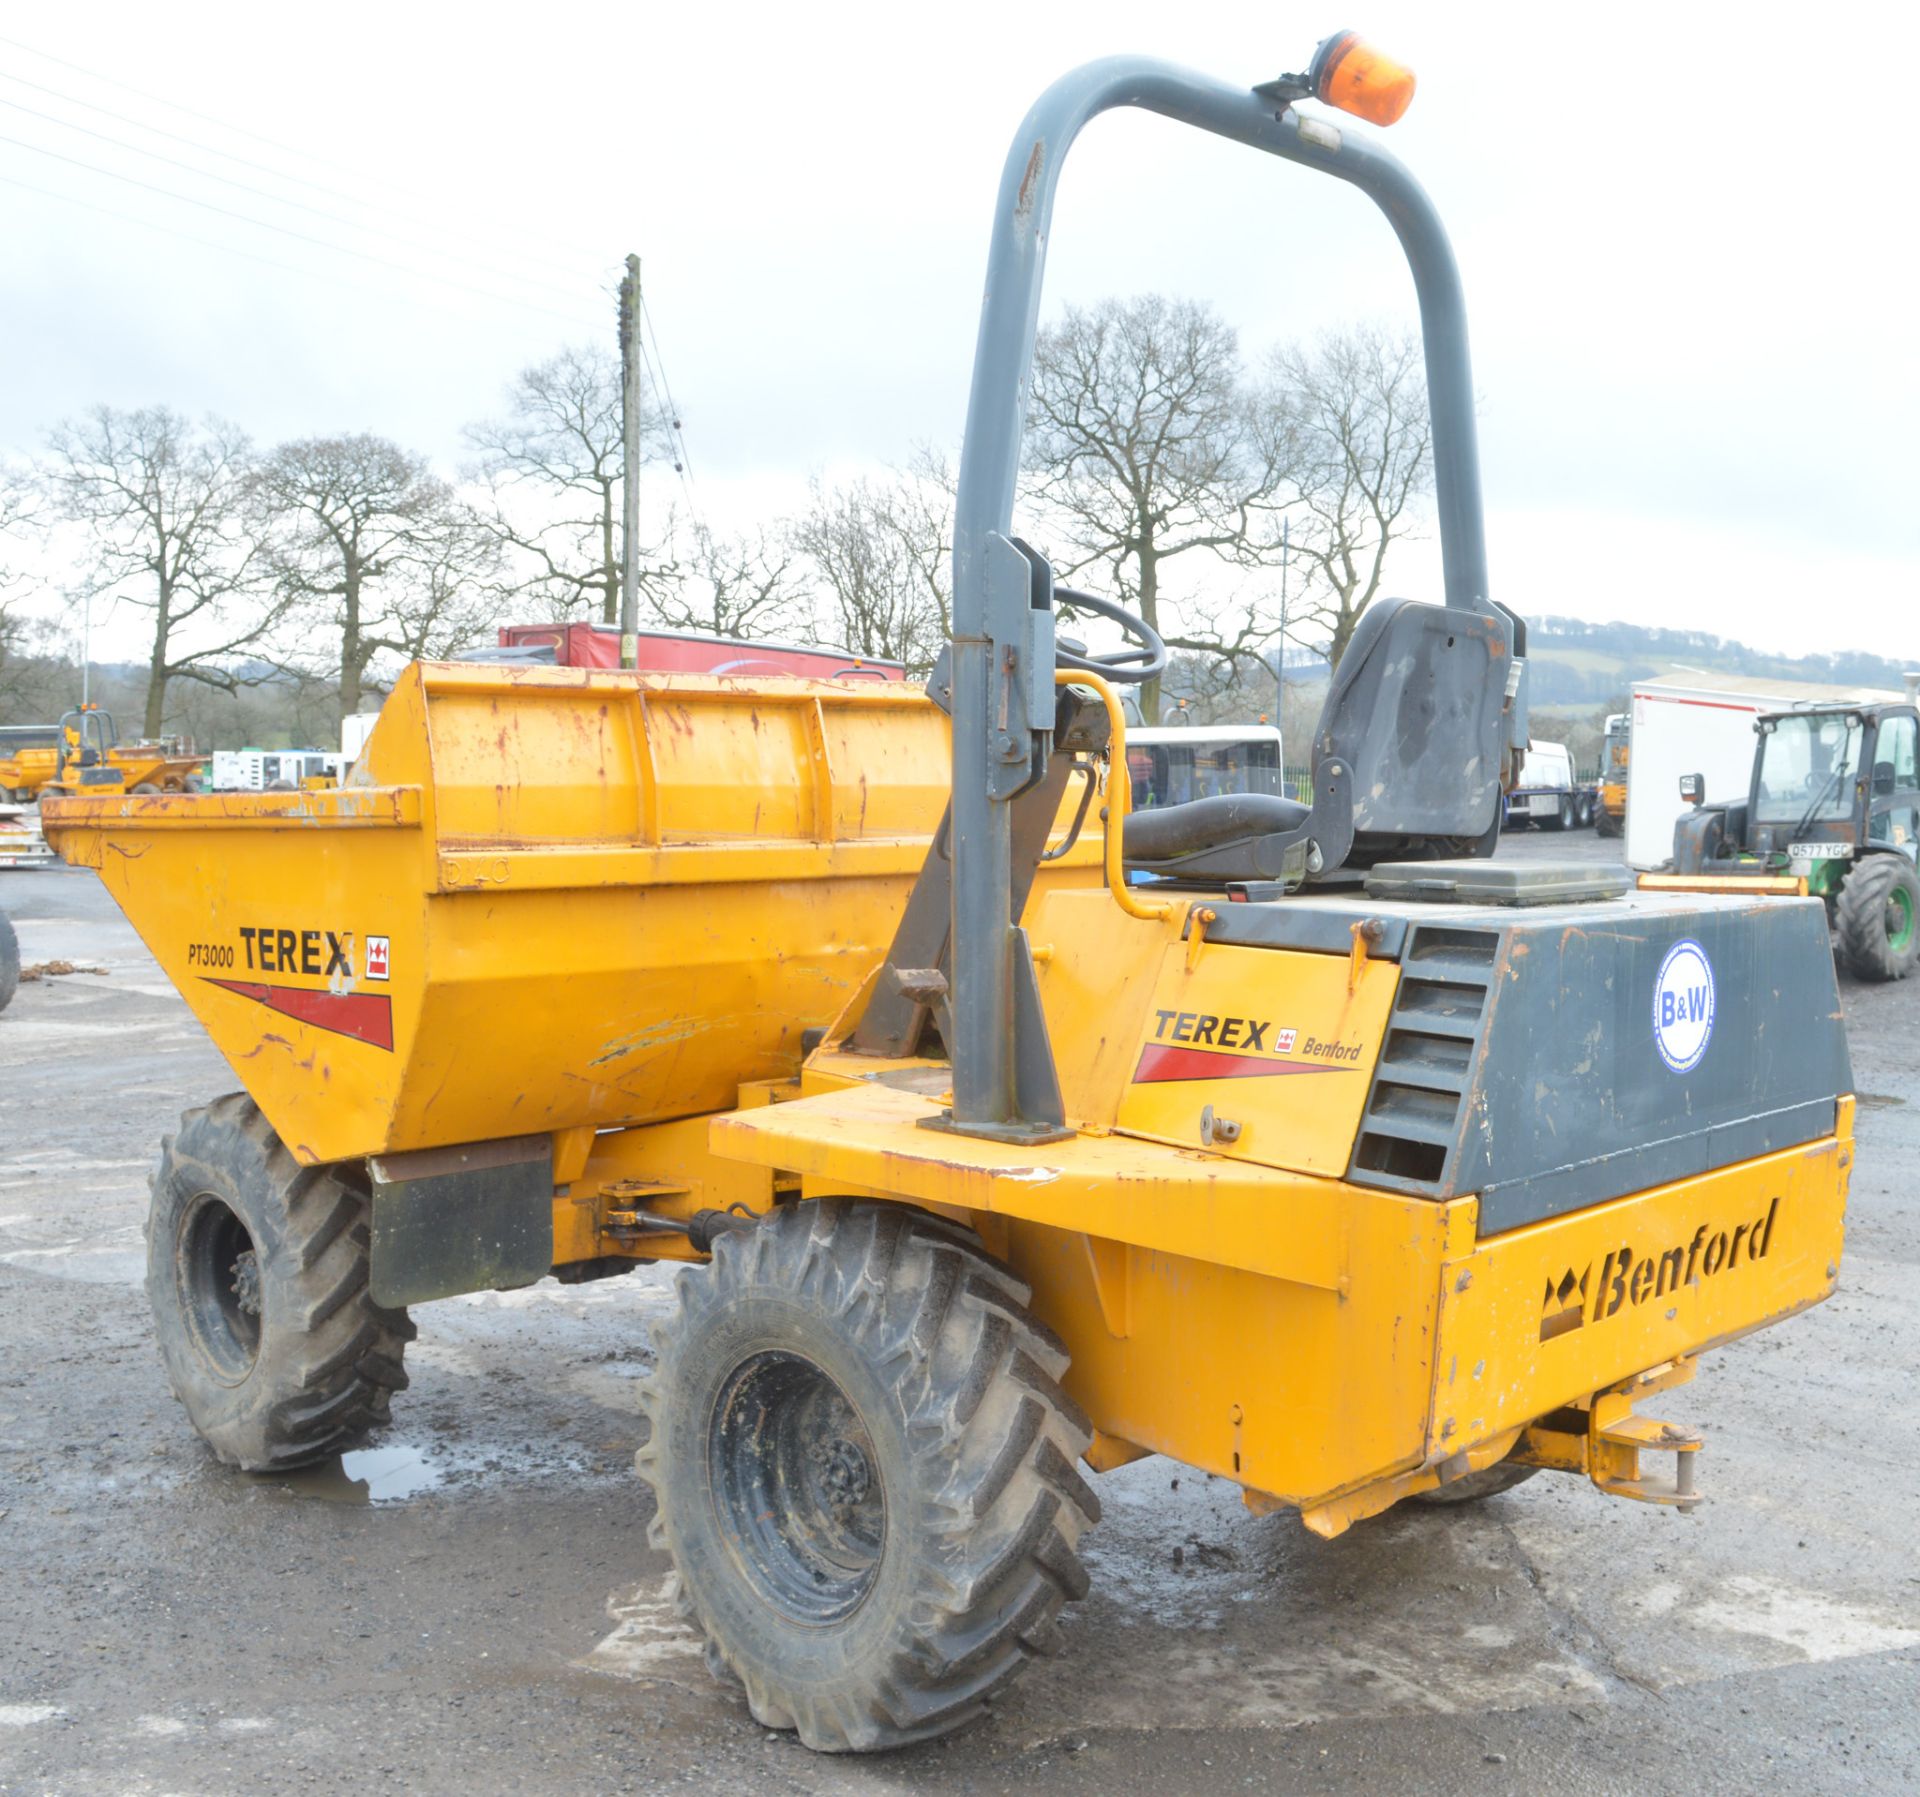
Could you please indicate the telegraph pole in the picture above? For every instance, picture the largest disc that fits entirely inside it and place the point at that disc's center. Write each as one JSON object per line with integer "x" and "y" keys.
{"x": 630, "y": 453}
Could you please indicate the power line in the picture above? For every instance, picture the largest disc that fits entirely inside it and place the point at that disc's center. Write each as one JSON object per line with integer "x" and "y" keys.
{"x": 656, "y": 365}
{"x": 210, "y": 243}
{"x": 673, "y": 406}
{"x": 647, "y": 362}
{"x": 207, "y": 118}
{"x": 277, "y": 199}
{"x": 288, "y": 231}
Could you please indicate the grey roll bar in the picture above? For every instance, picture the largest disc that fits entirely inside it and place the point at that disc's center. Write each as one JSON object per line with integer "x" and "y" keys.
{"x": 990, "y": 1000}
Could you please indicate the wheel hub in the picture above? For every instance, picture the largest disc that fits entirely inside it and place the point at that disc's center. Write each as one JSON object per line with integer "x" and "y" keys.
{"x": 246, "y": 1283}
{"x": 1899, "y": 922}
{"x": 797, "y": 1484}
{"x": 844, "y": 1472}
{"x": 217, "y": 1274}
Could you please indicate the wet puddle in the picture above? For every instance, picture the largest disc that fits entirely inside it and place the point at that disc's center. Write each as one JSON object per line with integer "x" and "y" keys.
{"x": 398, "y": 1473}
{"x": 366, "y": 1476}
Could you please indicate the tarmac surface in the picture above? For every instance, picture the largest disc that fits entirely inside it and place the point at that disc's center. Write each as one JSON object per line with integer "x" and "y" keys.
{"x": 471, "y": 1605}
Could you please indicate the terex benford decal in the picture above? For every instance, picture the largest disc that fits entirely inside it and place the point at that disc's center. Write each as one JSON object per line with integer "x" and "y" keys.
{"x": 1203, "y": 1045}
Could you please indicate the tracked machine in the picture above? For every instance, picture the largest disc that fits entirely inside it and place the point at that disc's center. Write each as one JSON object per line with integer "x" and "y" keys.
{"x": 1337, "y": 1161}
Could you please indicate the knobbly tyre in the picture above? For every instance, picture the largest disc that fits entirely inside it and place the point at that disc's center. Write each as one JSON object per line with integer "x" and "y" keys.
{"x": 1329, "y": 1162}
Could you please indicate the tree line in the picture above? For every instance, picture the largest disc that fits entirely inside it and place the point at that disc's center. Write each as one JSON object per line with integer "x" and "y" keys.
{"x": 1158, "y": 465}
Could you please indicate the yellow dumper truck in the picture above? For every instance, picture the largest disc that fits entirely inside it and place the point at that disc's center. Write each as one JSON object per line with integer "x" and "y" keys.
{"x": 83, "y": 753}
{"x": 1005, "y": 1136}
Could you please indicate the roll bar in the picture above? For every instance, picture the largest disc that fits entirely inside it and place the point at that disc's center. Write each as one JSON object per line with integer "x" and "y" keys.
{"x": 1002, "y": 625}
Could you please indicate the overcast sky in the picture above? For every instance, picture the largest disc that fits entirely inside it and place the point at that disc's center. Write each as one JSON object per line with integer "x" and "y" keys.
{"x": 1686, "y": 235}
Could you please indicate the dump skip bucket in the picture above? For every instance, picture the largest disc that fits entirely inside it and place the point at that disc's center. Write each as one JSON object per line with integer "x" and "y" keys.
{"x": 549, "y": 897}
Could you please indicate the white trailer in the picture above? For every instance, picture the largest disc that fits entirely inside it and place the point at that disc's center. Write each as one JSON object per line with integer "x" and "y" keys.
{"x": 1545, "y": 795}
{"x": 1693, "y": 722}
{"x": 21, "y": 843}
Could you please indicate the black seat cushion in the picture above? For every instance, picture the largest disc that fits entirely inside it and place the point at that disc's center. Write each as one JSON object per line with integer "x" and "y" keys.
{"x": 1171, "y": 830}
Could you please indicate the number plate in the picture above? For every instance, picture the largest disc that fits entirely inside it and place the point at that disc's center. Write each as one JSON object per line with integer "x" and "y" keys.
{"x": 1821, "y": 851}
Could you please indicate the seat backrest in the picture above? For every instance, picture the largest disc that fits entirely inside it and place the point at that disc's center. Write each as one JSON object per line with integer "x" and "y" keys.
{"x": 1416, "y": 709}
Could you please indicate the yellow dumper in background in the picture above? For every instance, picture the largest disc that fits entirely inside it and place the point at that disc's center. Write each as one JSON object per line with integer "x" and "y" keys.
{"x": 1296, "y": 1141}
{"x": 83, "y": 753}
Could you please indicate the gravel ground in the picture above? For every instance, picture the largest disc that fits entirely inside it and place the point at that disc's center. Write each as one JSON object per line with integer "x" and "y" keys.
{"x": 472, "y": 1606}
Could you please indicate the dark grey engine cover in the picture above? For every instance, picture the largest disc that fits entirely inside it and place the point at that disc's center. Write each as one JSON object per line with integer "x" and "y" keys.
{"x": 1521, "y": 1059}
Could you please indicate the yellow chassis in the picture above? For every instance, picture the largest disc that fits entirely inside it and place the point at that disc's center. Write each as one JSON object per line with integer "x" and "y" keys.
{"x": 1327, "y": 1346}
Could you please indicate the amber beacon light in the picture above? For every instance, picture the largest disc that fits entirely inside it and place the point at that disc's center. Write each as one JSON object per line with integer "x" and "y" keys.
{"x": 1351, "y": 74}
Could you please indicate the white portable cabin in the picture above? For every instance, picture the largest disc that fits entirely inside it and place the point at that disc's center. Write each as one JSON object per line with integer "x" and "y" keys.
{"x": 259, "y": 770}
{"x": 1172, "y": 763}
{"x": 1692, "y": 722}
{"x": 355, "y": 728}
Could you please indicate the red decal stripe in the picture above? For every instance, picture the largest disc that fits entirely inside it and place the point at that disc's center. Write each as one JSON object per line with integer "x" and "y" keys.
{"x": 365, "y": 1016}
{"x": 1158, "y": 1062}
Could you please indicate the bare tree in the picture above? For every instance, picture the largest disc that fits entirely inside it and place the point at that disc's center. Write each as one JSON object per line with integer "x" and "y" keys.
{"x": 553, "y": 467}
{"x": 23, "y": 636}
{"x": 1142, "y": 447}
{"x": 743, "y": 586}
{"x": 882, "y": 550}
{"x": 161, "y": 501}
{"x": 372, "y": 546}
{"x": 1352, "y": 409}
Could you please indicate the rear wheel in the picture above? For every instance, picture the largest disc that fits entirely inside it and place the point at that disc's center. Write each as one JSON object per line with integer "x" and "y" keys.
{"x": 1488, "y": 1482}
{"x": 144, "y": 786}
{"x": 864, "y": 1468}
{"x": 1878, "y": 916}
{"x": 257, "y": 1275}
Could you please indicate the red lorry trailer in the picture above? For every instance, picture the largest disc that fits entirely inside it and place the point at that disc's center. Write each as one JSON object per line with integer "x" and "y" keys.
{"x": 688, "y": 652}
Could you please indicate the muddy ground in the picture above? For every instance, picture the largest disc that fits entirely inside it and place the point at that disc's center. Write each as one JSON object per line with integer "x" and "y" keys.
{"x": 478, "y": 1609}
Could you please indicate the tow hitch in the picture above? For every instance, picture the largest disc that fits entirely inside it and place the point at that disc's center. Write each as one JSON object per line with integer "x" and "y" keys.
{"x": 1604, "y": 1439}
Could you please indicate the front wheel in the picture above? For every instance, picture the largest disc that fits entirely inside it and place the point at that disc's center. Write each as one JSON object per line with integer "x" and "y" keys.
{"x": 257, "y": 1274}
{"x": 1877, "y": 914}
{"x": 864, "y": 1470}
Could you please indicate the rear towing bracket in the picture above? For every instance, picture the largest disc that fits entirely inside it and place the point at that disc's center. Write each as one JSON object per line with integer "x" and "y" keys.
{"x": 1604, "y": 1439}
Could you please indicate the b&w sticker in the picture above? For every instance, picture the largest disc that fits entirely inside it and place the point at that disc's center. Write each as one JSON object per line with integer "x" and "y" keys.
{"x": 1683, "y": 1006}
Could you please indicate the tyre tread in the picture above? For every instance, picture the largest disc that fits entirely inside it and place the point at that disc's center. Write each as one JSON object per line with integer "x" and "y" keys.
{"x": 331, "y": 1371}
{"x": 977, "y": 1377}
{"x": 1859, "y": 916}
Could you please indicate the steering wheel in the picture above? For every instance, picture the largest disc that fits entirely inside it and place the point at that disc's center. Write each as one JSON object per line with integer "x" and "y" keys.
{"x": 1147, "y": 660}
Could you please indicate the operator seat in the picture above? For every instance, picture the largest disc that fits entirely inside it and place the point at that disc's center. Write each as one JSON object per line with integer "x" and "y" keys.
{"x": 1407, "y": 760}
